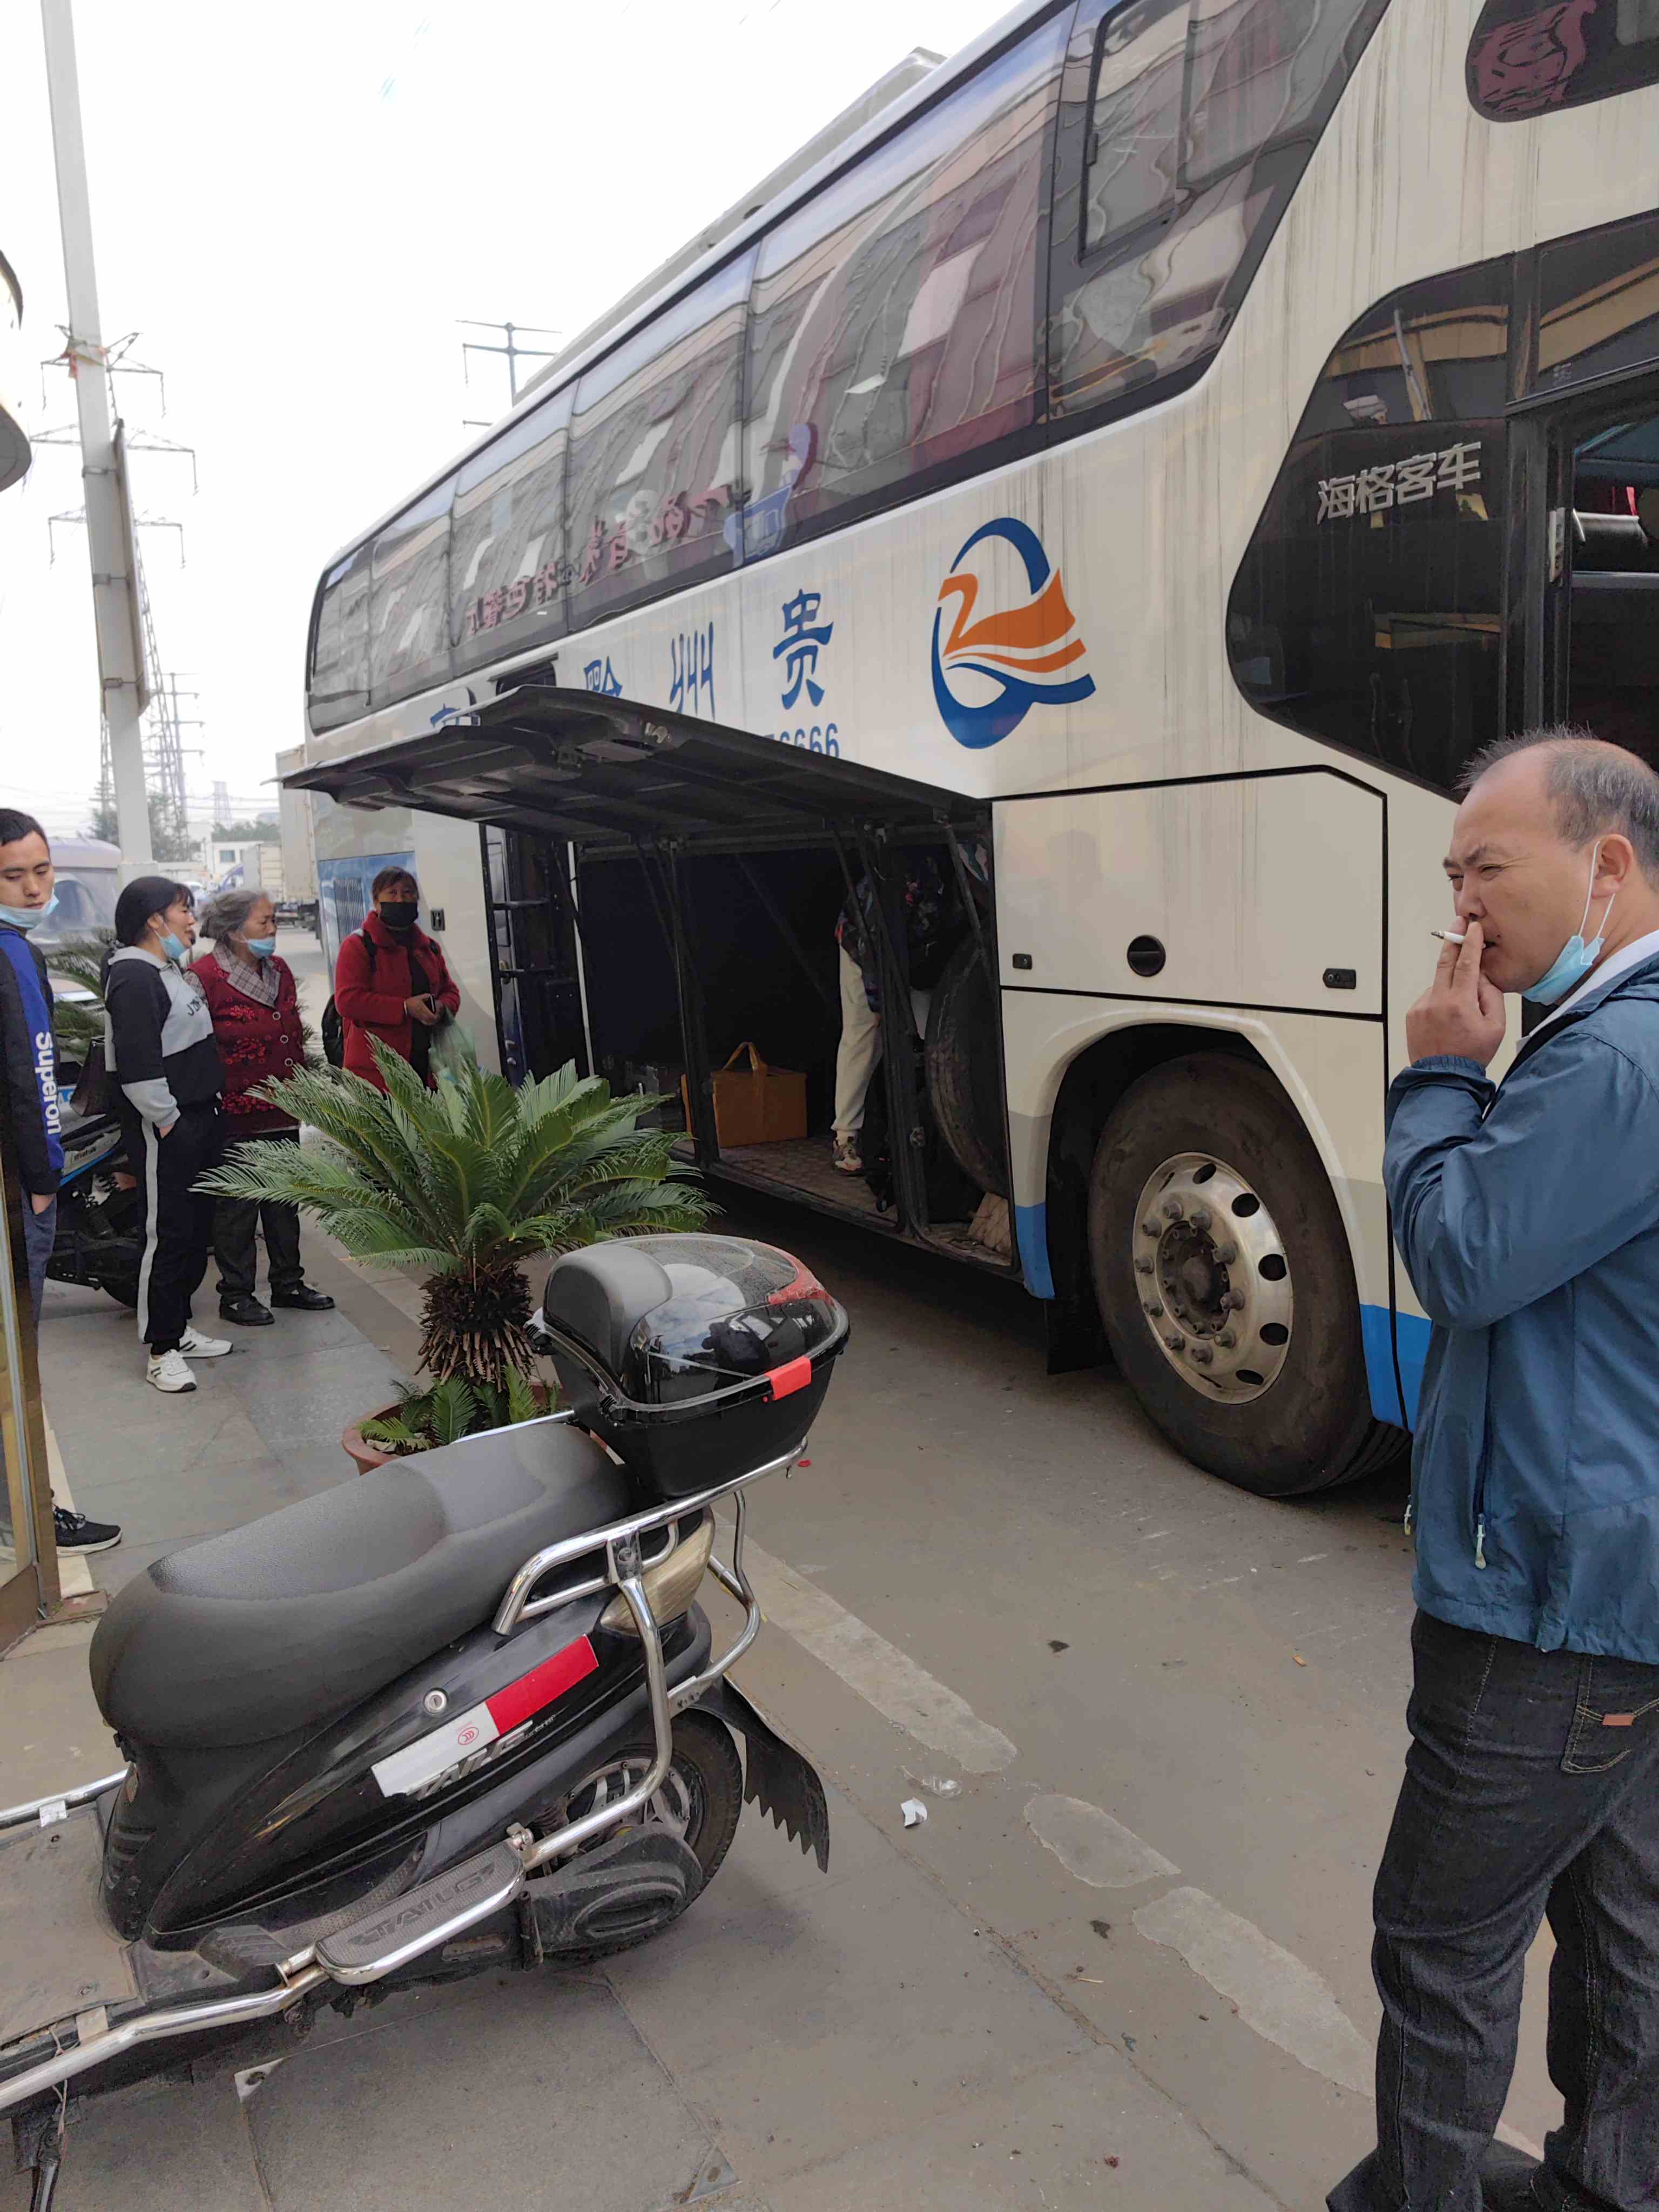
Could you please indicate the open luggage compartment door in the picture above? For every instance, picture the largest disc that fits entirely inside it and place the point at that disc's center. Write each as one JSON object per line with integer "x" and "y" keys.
{"x": 606, "y": 772}
{"x": 617, "y": 778}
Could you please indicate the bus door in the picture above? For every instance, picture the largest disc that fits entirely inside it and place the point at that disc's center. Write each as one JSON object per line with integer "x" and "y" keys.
{"x": 535, "y": 955}
{"x": 1585, "y": 618}
{"x": 692, "y": 841}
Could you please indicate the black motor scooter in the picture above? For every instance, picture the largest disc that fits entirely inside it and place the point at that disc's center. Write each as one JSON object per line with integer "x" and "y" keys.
{"x": 100, "y": 1240}
{"x": 456, "y": 1716}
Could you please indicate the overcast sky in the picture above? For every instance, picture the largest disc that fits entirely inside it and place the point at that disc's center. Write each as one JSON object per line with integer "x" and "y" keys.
{"x": 294, "y": 207}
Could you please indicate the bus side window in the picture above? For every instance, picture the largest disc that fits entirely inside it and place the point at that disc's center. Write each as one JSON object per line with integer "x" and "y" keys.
{"x": 1185, "y": 126}
{"x": 1367, "y": 609}
{"x": 653, "y": 456}
{"x": 508, "y": 564}
{"x": 1526, "y": 59}
{"x": 409, "y": 599}
{"x": 895, "y": 317}
{"x": 339, "y": 652}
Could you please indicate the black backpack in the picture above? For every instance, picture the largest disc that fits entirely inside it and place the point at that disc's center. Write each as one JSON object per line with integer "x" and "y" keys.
{"x": 333, "y": 1027}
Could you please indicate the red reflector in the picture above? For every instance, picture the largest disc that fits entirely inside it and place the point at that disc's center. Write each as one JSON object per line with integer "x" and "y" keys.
{"x": 542, "y": 1685}
{"x": 785, "y": 1381}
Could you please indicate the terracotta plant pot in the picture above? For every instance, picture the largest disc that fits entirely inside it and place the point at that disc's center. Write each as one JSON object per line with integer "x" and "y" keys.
{"x": 368, "y": 1456}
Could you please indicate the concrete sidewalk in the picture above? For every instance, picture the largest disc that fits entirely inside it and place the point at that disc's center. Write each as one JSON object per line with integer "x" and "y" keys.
{"x": 799, "y": 2044}
{"x": 261, "y": 1429}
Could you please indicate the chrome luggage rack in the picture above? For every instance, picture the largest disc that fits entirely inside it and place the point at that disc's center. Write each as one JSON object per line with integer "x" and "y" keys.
{"x": 483, "y": 1884}
{"x": 625, "y": 1568}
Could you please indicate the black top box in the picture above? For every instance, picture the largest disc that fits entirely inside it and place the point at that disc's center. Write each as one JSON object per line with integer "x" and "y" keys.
{"x": 695, "y": 1358}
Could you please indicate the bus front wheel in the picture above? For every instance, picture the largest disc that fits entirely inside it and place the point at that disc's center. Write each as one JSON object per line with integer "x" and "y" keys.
{"x": 1223, "y": 1275}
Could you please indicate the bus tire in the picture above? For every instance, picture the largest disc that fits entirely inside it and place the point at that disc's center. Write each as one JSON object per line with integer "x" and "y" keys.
{"x": 1224, "y": 1282}
{"x": 964, "y": 1074}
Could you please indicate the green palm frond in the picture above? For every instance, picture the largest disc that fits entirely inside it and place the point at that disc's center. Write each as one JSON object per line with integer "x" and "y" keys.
{"x": 463, "y": 1182}
{"x": 520, "y": 1405}
{"x": 396, "y": 1435}
{"x": 453, "y": 1410}
{"x": 78, "y": 1023}
{"x": 80, "y": 960}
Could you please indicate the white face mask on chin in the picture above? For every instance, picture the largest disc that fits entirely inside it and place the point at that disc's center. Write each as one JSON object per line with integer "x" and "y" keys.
{"x": 29, "y": 917}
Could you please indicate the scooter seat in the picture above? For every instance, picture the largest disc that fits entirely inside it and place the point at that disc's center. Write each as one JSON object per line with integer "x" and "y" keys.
{"x": 303, "y": 1613}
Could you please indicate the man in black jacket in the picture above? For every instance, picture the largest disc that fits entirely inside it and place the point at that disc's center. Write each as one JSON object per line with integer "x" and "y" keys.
{"x": 27, "y": 900}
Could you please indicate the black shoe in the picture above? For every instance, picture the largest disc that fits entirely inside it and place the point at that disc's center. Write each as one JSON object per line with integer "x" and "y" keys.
{"x": 248, "y": 1310}
{"x": 303, "y": 1296}
{"x": 76, "y": 1534}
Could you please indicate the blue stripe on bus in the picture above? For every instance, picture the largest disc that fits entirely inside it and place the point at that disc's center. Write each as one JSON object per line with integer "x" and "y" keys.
{"x": 1411, "y": 1332}
{"x": 1032, "y": 1234}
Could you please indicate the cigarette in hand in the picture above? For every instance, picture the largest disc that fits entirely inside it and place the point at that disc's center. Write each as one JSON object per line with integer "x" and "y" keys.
{"x": 1451, "y": 936}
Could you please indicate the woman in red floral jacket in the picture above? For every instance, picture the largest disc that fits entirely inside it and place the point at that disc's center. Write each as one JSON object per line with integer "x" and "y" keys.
{"x": 256, "y": 1024}
{"x": 391, "y": 982}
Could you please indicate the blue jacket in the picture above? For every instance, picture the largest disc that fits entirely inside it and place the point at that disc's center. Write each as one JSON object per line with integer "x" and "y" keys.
{"x": 1528, "y": 1218}
{"x": 31, "y": 1058}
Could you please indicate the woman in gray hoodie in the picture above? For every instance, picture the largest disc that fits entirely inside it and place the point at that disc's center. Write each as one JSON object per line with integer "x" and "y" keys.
{"x": 164, "y": 1070}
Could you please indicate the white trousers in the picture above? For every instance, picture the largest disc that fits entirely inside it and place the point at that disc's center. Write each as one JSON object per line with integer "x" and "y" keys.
{"x": 860, "y": 1044}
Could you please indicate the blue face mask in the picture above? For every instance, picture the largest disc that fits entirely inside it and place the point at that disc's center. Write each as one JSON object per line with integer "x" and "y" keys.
{"x": 261, "y": 947}
{"x": 174, "y": 946}
{"x": 1575, "y": 960}
{"x": 29, "y": 917}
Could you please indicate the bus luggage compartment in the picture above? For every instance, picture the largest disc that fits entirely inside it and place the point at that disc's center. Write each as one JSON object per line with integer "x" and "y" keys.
{"x": 700, "y": 871}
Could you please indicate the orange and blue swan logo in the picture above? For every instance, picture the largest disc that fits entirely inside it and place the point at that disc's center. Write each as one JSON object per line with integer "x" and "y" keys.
{"x": 1025, "y": 651}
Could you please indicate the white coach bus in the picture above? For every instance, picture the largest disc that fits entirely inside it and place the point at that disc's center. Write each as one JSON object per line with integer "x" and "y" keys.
{"x": 1110, "y": 494}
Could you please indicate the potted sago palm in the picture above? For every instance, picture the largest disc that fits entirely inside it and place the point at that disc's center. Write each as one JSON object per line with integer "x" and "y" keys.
{"x": 464, "y": 1184}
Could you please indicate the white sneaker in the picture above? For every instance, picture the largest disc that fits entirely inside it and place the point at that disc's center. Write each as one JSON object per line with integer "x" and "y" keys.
{"x": 167, "y": 1371}
{"x": 195, "y": 1345}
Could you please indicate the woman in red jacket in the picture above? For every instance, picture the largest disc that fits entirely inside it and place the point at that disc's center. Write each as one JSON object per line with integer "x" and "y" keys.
{"x": 256, "y": 1025}
{"x": 390, "y": 983}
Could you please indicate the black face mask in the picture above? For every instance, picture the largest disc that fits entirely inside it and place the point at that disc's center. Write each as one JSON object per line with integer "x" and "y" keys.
{"x": 399, "y": 914}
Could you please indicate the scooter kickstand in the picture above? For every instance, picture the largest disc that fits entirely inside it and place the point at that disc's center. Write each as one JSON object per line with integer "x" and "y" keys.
{"x": 47, "y": 2168}
{"x": 40, "y": 2148}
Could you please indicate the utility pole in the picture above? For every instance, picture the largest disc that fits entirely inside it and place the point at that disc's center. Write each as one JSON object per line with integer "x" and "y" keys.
{"x": 110, "y": 537}
{"x": 512, "y": 352}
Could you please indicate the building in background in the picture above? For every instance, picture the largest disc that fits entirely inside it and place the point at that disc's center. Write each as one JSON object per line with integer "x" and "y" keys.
{"x": 15, "y": 454}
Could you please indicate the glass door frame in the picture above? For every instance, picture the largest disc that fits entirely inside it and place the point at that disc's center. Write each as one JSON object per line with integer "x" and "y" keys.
{"x": 32, "y": 1590}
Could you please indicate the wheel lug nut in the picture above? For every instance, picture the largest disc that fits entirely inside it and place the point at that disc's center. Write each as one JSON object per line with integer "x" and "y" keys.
{"x": 1201, "y": 1217}
{"x": 1152, "y": 1229}
{"x": 1227, "y": 1340}
{"x": 1226, "y": 1254}
{"x": 1175, "y": 1343}
{"x": 1172, "y": 1208}
{"x": 1143, "y": 1266}
{"x": 1235, "y": 1301}
{"x": 1202, "y": 1354}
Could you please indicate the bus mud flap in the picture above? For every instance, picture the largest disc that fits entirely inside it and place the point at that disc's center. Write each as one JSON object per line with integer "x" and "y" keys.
{"x": 777, "y": 1778}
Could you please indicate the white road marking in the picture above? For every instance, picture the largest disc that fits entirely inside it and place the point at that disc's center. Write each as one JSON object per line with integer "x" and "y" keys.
{"x": 885, "y": 1676}
{"x": 1093, "y": 1846}
{"x": 1276, "y": 1994}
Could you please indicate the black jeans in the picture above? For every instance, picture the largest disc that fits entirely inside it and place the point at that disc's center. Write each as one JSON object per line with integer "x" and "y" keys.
{"x": 1532, "y": 1788}
{"x": 234, "y": 1225}
{"x": 178, "y": 1220}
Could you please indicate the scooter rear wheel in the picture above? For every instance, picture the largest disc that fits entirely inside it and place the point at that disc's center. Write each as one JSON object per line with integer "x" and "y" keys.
{"x": 701, "y": 1801}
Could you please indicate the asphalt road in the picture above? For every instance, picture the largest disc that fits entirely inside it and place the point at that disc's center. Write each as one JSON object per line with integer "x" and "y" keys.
{"x": 1222, "y": 1676}
{"x": 1156, "y": 1723}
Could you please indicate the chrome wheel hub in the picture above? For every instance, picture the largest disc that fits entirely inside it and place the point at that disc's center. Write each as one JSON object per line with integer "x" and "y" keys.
{"x": 1211, "y": 1278}
{"x": 674, "y": 1806}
